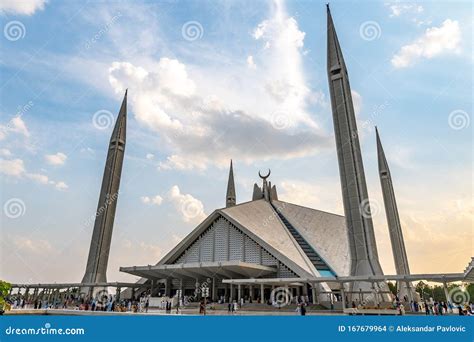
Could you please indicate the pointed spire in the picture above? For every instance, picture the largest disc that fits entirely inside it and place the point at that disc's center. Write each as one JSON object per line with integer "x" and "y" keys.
{"x": 335, "y": 59}
{"x": 382, "y": 160}
{"x": 119, "y": 133}
{"x": 230, "y": 198}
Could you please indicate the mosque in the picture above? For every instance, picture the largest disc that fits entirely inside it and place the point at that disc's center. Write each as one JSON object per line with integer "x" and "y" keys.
{"x": 255, "y": 249}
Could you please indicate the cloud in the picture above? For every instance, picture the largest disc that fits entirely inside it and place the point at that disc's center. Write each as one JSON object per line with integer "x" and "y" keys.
{"x": 148, "y": 250}
{"x": 16, "y": 168}
{"x": 157, "y": 200}
{"x": 40, "y": 178}
{"x": 36, "y": 246}
{"x": 398, "y": 9}
{"x": 61, "y": 186}
{"x": 191, "y": 209}
{"x": 311, "y": 195}
{"x": 21, "y": 7}
{"x": 15, "y": 125}
{"x": 435, "y": 41}
{"x": 56, "y": 159}
{"x": 357, "y": 102}
{"x": 5, "y": 152}
{"x": 13, "y": 167}
{"x": 205, "y": 117}
{"x": 149, "y": 156}
{"x": 250, "y": 63}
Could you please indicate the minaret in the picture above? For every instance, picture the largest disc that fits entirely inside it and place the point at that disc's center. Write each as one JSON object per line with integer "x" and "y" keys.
{"x": 104, "y": 221}
{"x": 230, "y": 197}
{"x": 393, "y": 220}
{"x": 363, "y": 249}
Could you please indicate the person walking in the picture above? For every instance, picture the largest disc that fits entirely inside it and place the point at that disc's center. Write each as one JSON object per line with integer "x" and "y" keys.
{"x": 303, "y": 309}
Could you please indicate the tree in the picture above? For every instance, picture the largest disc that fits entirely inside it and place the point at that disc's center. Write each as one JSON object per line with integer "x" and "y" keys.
{"x": 392, "y": 287}
{"x": 4, "y": 291}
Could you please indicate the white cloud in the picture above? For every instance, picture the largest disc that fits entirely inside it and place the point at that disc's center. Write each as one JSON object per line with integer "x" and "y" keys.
{"x": 282, "y": 55}
{"x": 5, "y": 152}
{"x": 157, "y": 200}
{"x": 56, "y": 159}
{"x": 22, "y": 7}
{"x": 61, "y": 186}
{"x": 205, "y": 117}
{"x": 357, "y": 102}
{"x": 201, "y": 130}
{"x": 14, "y": 167}
{"x": 435, "y": 41}
{"x": 40, "y": 178}
{"x": 149, "y": 251}
{"x": 15, "y": 125}
{"x": 250, "y": 63}
{"x": 301, "y": 193}
{"x": 191, "y": 209}
{"x": 32, "y": 245}
{"x": 398, "y": 9}
{"x": 149, "y": 156}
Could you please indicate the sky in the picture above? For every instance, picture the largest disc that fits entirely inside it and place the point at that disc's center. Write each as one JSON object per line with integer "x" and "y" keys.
{"x": 213, "y": 80}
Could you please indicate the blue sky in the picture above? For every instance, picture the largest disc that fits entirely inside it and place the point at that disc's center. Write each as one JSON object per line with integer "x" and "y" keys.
{"x": 209, "y": 81}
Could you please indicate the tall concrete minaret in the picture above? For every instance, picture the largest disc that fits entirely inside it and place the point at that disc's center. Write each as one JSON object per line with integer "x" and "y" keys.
{"x": 363, "y": 248}
{"x": 230, "y": 200}
{"x": 393, "y": 220}
{"x": 104, "y": 222}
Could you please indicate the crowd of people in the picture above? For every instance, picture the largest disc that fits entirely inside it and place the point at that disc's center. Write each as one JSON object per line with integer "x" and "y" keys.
{"x": 109, "y": 303}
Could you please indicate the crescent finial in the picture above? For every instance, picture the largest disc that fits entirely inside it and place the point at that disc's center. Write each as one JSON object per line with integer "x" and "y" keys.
{"x": 265, "y": 177}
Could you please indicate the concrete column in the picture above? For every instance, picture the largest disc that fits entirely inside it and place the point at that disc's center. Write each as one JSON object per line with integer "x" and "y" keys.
{"x": 226, "y": 286}
{"x": 117, "y": 294}
{"x": 133, "y": 293}
{"x": 446, "y": 292}
{"x": 409, "y": 291}
{"x": 376, "y": 300}
{"x": 239, "y": 292}
{"x": 152, "y": 287}
{"x": 251, "y": 292}
{"x": 314, "y": 294}
{"x": 214, "y": 294}
{"x": 343, "y": 297}
{"x": 262, "y": 293}
{"x": 231, "y": 293}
